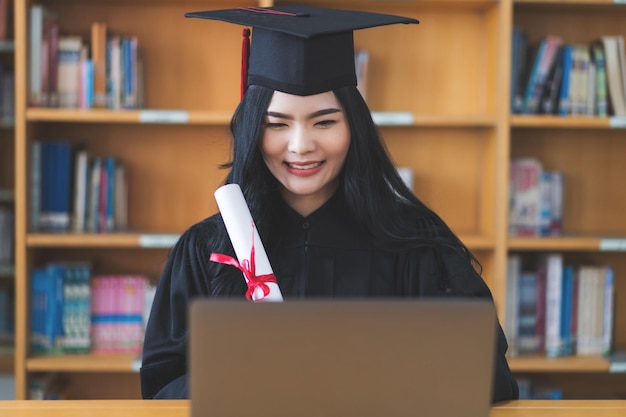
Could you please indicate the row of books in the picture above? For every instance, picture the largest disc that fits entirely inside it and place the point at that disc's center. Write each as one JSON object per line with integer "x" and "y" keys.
{"x": 70, "y": 72}
{"x": 71, "y": 191}
{"x": 75, "y": 312}
{"x": 535, "y": 199}
{"x": 554, "y": 77}
{"x": 7, "y": 236}
{"x": 530, "y": 391}
{"x": 558, "y": 309}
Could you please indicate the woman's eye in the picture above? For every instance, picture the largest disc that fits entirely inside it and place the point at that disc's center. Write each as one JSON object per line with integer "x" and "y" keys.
{"x": 274, "y": 125}
{"x": 325, "y": 123}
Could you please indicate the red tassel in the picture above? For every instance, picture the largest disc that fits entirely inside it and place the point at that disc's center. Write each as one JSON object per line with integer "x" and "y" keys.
{"x": 245, "y": 55}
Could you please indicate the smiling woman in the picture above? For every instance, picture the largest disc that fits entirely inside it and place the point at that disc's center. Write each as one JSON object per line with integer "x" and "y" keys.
{"x": 335, "y": 217}
{"x": 304, "y": 144}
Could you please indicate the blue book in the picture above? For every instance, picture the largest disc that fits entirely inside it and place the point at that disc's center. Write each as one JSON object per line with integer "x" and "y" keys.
{"x": 46, "y": 307}
{"x": 534, "y": 75}
{"x": 567, "y": 303}
{"x": 565, "y": 103}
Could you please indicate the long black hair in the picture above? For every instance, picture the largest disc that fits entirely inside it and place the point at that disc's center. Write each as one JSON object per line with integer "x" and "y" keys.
{"x": 371, "y": 187}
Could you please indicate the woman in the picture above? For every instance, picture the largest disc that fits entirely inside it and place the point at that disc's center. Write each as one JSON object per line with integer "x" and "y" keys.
{"x": 335, "y": 217}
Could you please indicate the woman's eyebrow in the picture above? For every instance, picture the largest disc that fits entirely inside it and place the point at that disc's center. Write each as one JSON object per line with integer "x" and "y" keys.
{"x": 324, "y": 112}
{"x": 313, "y": 115}
{"x": 279, "y": 115}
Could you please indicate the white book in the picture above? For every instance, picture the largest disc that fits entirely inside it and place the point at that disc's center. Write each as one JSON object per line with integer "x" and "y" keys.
{"x": 68, "y": 73}
{"x": 36, "y": 13}
{"x": 513, "y": 271}
{"x": 554, "y": 286}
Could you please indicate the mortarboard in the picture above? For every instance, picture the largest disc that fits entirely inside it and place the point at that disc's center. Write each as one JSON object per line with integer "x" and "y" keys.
{"x": 298, "y": 49}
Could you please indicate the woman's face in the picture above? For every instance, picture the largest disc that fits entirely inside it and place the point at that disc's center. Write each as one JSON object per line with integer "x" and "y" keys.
{"x": 304, "y": 144}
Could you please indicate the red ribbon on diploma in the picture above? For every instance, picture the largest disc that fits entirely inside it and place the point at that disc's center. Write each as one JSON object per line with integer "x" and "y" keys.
{"x": 249, "y": 271}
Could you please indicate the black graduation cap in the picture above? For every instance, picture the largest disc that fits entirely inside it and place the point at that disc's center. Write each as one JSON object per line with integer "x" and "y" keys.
{"x": 299, "y": 49}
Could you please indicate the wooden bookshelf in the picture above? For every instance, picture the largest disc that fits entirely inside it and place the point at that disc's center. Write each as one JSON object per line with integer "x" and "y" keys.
{"x": 458, "y": 140}
{"x": 589, "y": 151}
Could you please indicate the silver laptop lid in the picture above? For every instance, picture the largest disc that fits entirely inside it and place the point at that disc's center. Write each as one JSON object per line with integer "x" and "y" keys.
{"x": 345, "y": 358}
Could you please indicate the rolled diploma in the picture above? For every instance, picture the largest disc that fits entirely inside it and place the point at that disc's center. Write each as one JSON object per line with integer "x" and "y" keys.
{"x": 238, "y": 221}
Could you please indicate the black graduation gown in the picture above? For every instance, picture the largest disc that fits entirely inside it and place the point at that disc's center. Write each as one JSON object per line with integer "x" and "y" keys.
{"x": 322, "y": 255}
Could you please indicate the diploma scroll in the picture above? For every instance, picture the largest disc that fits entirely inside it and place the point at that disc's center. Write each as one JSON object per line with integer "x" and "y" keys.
{"x": 253, "y": 261}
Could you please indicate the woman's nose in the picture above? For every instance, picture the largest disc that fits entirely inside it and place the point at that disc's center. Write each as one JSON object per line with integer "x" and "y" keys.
{"x": 301, "y": 141}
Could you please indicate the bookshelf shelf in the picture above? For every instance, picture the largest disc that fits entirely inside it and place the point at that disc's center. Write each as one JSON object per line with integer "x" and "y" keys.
{"x": 566, "y": 122}
{"x": 104, "y": 240}
{"x": 199, "y": 117}
{"x": 83, "y": 363}
{"x": 147, "y": 116}
{"x": 565, "y": 364}
{"x": 563, "y": 244}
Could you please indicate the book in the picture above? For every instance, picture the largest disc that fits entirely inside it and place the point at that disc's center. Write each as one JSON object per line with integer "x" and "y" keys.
{"x": 565, "y": 104}
{"x": 361, "y": 64}
{"x": 114, "y": 72}
{"x": 68, "y": 78}
{"x": 98, "y": 58}
{"x": 601, "y": 102}
{"x": 81, "y": 174}
{"x": 527, "y": 340}
{"x": 554, "y": 293}
{"x": 544, "y": 61}
{"x": 578, "y": 80}
{"x": 121, "y": 198}
{"x": 35, "y": 184}
{"x": 525, "y": 189}
{"x": 550, "y": 100}
{"x": 85, "y": 84}
{"x": 38, "y": 15}
{"x": 567, "y": 330}
{"x": 513, "y": 271}
{"x": 60, "y": 193}
{"x": 94, "y": 195}
{"x": 614, "y": 74}
{"x": 518, "y": 66}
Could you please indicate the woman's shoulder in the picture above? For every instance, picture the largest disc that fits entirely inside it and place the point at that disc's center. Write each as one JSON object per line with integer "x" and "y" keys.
{"x": 204, "y": 231}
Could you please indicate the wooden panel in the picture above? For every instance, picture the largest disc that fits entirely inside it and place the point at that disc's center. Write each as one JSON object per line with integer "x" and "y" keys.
{"x": 411, "y": 71}
{"x": 100, "y": 385}
{"x": 581, "y": 385}
{"x": 109, "y": 261}
{"x": 575, "y": 24}
{"x": 448, "y": 168}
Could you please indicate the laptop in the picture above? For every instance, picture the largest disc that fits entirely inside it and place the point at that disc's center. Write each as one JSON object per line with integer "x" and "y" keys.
{"x": 341, "y": 358}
